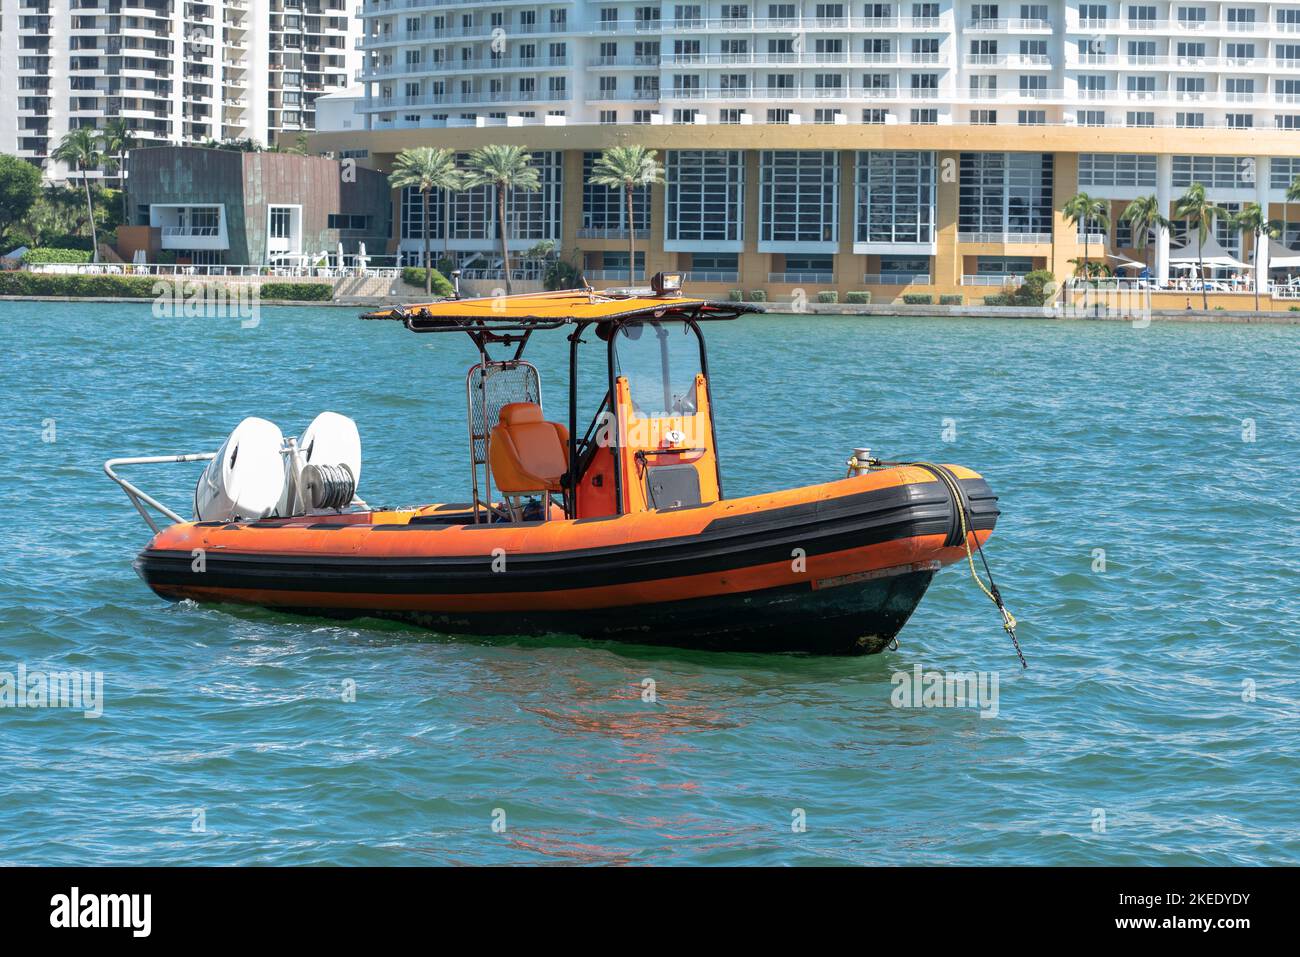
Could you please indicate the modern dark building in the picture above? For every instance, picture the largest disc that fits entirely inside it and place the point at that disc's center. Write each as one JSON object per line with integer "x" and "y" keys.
{"x": 222, "y": 207}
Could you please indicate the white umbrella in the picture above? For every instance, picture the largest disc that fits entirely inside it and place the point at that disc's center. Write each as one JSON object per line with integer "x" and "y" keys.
{"x": 1125, "y": 263}
{"x": 1280, "y": 256}
{"x": 1211, "y": 254}
{"x": 340, "y": 255}
{"x": 361, "y": 256}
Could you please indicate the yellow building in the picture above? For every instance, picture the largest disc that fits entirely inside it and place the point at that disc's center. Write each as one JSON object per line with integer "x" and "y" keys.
{"x": 945, "y": 210}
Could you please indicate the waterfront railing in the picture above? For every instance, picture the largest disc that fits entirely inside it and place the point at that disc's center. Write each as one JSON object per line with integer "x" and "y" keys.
{"x": 216, "y": 271}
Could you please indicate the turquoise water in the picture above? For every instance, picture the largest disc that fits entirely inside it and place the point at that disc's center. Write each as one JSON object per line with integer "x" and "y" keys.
{"x": 1096, "y": 435}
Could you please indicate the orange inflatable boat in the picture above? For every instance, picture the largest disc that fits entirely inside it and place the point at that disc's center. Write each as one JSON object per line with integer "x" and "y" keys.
{"x": 610, "y": 524}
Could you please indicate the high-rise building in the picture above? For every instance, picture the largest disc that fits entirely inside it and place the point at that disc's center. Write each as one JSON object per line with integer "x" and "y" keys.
{"x": 840, "y": 146}
{"x": 1187, "y": 63}
{"x": 179, "y": 71}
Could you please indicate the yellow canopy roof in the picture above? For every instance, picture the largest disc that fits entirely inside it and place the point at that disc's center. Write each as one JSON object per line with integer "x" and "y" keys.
{"x": 555, "y": 308}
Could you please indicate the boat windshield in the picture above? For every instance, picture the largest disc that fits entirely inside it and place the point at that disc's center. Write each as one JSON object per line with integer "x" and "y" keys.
{"x": 660, "y": 360}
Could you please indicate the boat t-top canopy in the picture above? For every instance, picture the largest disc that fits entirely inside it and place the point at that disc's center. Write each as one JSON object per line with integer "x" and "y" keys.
{"x": 551, "y": 310}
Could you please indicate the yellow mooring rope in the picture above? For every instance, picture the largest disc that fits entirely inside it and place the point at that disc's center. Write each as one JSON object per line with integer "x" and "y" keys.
{"x": 991, "y": 590}
{"x": 959, "y": 503}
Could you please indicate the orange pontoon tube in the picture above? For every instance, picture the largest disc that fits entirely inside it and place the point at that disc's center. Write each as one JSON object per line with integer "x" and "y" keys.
{"x": 612, "y": 524}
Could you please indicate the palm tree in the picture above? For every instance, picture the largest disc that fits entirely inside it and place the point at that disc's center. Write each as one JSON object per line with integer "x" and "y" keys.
{"x": 1088, "y": 211}
{"x": 504, "y": 168}
{"x": 427, "y": 168}
{"x": 80, "y": 148}
{"x": 628, "y": 168}
{"x": 1292, "y": 196}
{"x": 1200, "y": 214}
{"x": 1144, "y": 216}
{"x": 115, "y": 141}
{"x": 1251, "y": 222}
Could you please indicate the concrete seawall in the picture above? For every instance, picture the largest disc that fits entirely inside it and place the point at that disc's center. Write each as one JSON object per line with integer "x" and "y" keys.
{"x": 819, "y": 309}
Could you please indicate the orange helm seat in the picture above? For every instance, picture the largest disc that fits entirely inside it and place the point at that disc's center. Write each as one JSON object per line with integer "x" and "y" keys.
{"x": 525, "y": 452}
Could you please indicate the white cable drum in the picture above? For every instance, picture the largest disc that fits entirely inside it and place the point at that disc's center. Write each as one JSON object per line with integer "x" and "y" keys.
{"x": 332, "y": 439}
{"x": 246, "y": 478}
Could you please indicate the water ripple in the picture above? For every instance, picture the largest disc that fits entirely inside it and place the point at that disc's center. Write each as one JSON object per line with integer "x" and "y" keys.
{"x": 1162, "y": 698}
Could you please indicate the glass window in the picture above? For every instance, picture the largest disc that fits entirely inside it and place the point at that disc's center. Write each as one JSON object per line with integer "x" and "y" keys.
{"x": 1117, "y": 169}
{"x": 1214, "y": 172}
{"x": 895, "y": 196}
{"x": 799, "y": 195}
{"x": 1005, "y": 193}
{"x": 704, "y": 195}
{"x": 660, "y": 361}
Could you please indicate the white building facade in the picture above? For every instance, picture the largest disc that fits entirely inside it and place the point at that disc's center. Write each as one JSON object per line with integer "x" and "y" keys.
{"x": 1185, "y": 63}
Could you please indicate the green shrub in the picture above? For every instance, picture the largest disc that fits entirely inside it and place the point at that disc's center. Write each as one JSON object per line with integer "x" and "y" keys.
{"x": 52, "y": 284}
{"x": 42, "y": 255}
{"x": 297, "y": 291}
{"x": 953, "y": 300}
{"x": 918, "y": 299}
{"x": 736, "y": 295}
{"x": 858, "y": 298}
{"x": 561, "y": 274}
{"x": 414, "y": 276}
{"x": 1293, "y": 309}
{"x": 757, "y": 295}
{"x": 19, "y": 283}
{"x": 998, "y": 299}
{"x": 1038, "y": 287}
{"x": 828, "y": 295}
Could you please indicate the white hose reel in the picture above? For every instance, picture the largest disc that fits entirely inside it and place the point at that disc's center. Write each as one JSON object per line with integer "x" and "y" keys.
{"x": 258, "y": 473}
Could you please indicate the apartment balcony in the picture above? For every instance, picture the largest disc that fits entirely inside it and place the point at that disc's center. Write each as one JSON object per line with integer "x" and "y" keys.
{"x": 787, "y": 94}
{"x": 897, "y": 279}
{"x": 130, "y": 9}
{"x": 140, "y": 71}
{"x": 462, "y": 66}
{"x": 710, "y": 275}
{"x": 897, "y": 58}
{"x": 461, "y": 99}
{"x": 797, "y": 24}
{"x": 599, "y": 232}
{"x": 637, "y": 61}
{"x": 997, "y": 279}
{"x": 800, "y": 278}
{"x": 399, "y": 37}
{"x": 1183, "y": 27}
{"x": 141, "y": 112}
{"x": 1031, "y": 61}
{"x": 1122, "y": 62}
{"x": 1008, "y": 26}
{"x": 1004, "y": 239}
{"x": 628, "y": 96}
